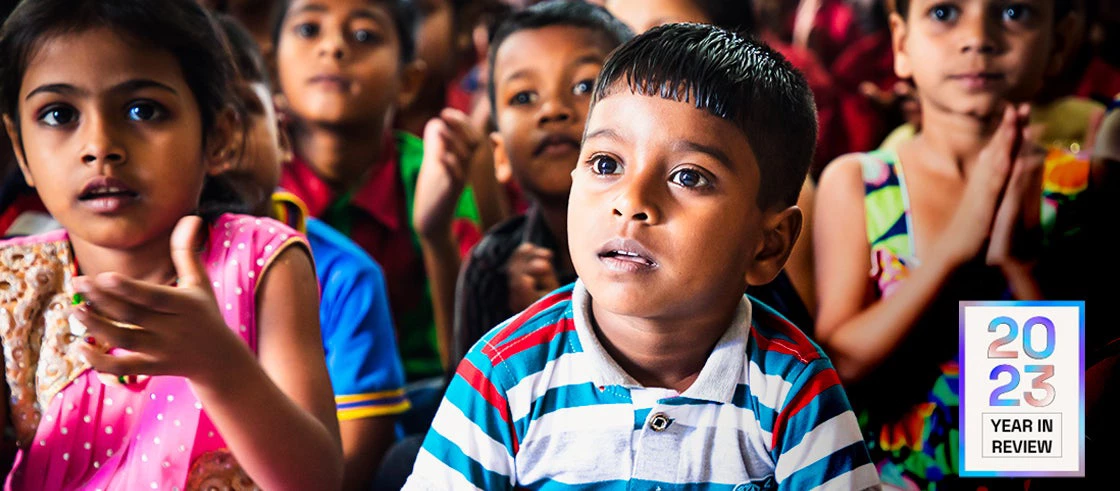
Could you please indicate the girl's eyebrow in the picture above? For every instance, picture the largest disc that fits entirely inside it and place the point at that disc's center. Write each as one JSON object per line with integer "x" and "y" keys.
{"x": 127, "y": 86}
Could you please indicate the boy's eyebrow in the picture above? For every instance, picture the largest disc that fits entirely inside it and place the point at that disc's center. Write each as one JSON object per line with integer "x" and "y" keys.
{"x": 608, "y": 133}
{"x": 587, "y": 59}
{"x": 311, "y": 7}
{"x": 716, "y": 153}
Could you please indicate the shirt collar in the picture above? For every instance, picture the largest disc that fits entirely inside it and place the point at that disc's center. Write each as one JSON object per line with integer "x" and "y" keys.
{"x": 379, "y": 196}
{"x": 718, "y": 378}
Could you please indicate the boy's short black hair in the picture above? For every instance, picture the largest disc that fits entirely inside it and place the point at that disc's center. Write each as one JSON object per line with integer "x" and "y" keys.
{"x": 735, "y": 79}
{"x": 573, "y": 13}
{"x": 404, "y": 21}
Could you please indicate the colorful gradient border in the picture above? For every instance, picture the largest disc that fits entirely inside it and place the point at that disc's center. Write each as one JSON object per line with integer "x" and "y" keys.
{"x": 1080, "y": 304}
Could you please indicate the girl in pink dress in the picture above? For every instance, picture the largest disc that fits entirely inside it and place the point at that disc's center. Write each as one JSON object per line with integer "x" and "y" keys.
{"x": 145, "y": 347}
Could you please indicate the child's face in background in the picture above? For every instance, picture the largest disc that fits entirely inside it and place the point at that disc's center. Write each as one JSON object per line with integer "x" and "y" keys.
{"x": 971, "y": 56}
{"x": 663, "y": 218}
{"x": 642, "y": 15}
{"x": 112, "y": 137}
{"x": 543, "y": 80}
{"x": 263, "y": 150}
{"x": 435, "y": 38}
{"x": 339, "y": 61}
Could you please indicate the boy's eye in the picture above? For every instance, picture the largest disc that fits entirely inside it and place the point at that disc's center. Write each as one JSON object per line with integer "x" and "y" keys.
{"x": 307, "y": 30}
{"x": 583, "y": 87}
{"x": 522, "y": 98}
{"x": 604, "y": 165}
{"x": 944, "y": 13}
{"x": 58, "y": 116}
{"x": 1016, "y": 13}
{"x": 144, "y": 111}
{"x": 688, "y": 178}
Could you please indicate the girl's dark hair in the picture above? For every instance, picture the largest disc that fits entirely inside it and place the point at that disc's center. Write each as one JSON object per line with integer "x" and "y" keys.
{"x": 403, "y": 13}
{"x": 733, "y": 78}
{"x": 181, "y": 27}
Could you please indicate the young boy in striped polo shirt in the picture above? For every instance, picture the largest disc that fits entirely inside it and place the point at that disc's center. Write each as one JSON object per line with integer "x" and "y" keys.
{"x": 653, "y": 371}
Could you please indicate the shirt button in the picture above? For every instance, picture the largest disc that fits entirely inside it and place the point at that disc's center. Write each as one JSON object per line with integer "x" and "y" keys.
{"x": 659, "y": 422}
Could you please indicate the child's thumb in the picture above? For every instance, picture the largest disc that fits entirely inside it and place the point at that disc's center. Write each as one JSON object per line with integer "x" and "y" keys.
{"x": 186, "y": 240}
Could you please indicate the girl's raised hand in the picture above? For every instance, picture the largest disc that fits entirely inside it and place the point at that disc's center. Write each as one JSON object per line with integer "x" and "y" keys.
{"x": 159, "y": 330}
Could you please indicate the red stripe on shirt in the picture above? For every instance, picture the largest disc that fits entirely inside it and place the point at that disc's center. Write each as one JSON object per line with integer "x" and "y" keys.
{"x": 537, "y": 337}
{"x": 543, "y": 304}
{"x": 485, "y": 388}
{"x": 820, "y": 382}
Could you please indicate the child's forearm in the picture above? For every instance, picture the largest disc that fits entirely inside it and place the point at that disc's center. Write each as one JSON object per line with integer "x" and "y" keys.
{"x": 278, "y": 444}
{"x": 863, "y": 341}
{"x": 441, "y": 261}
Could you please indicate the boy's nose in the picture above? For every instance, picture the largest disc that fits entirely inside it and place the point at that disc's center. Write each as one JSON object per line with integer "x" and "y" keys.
{"x": 555, "y": 110}
{"x": 101, "y": 143}
{"x": 637, "y": 201}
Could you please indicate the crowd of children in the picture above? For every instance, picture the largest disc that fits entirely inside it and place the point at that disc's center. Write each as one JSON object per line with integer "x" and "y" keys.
{"x": 663, "y": 244}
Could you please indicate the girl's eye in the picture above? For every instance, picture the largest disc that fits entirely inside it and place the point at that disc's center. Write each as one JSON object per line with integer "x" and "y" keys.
{"x": 944, "y": 13}
{"x": 144, "y": 111}
{"x": 689, "y": 178}
{"x": 58, "y": 116}
{"x": 364, "y": 36}
{"x": 522, "y": 98}
{"x": 1016, "y": 13}
{"x": 583, "y": 87}
{"x": 604, "y": 165}
{"x": 307, "y": 30}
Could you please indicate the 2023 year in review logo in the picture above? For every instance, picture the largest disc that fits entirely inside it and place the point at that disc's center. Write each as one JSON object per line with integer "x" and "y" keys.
{"x": 1022, "y": 389}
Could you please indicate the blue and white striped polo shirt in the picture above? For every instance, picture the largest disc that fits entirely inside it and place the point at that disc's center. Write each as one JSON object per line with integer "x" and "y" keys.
{"x": 539, "y": 404}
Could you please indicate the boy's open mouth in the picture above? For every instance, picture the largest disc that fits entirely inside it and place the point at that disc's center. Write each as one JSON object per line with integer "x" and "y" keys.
{"x": 626, "y": 255}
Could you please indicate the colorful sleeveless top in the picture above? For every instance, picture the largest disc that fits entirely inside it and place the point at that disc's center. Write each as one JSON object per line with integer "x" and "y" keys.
{"x": 920, "y": 449}
{"x": 77, "y": 431}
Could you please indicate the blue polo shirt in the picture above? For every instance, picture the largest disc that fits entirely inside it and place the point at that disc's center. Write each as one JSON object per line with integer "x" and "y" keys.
{"x": 357, "y": 327}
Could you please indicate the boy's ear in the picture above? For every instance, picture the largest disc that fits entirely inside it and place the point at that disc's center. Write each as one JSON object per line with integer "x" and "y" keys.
{"x": 1064, "y": 32}
{"x": 17, "y": 149}
{"x": 412, "y": 80}
{"x": 225, "y": 143}
{"x": 899, "y": 32}
{"x": 502, "y": 170}
{"x": 780, "y": 232}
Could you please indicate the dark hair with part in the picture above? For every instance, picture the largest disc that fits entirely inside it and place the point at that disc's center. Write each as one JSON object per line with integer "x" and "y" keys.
{"x": 572, "y": 13}
{"x": 180, "y": 27}
{"x": 733, "y": 78}
{"x": 403, "y": 13}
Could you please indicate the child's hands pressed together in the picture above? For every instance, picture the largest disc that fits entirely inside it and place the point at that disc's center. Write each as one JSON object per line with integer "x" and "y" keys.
{"x": 531, "y": 276}
{"x": 162, "y": 330}
{"x": 450, "y": 142}
{"x": 1016, "y": 236}
{"x": 971, "y": 225}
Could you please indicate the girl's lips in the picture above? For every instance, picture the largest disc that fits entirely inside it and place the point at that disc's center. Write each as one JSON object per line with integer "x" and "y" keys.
{"x": 331, "y": 82}
{"x": 104, "y": 194}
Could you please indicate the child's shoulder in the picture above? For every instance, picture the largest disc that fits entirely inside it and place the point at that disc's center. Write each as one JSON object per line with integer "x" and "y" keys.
{"x": 331, "y": 247}
{"x": 776, "y": 343}
{"x": 250, "y": 241}
{"x": 525, "y": 343}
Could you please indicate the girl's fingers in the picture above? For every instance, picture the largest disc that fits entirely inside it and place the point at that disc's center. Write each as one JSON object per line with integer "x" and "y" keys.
{"x": 140, "y": 294}
{"x": 116, "y": 335}
{"x": 118, "y": 363}
{"x": 186, "y": 242}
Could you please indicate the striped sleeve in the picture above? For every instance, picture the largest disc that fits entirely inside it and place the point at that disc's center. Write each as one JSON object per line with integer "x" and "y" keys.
{"x": 471, "y": 443}
{"x": 817, "y": 444}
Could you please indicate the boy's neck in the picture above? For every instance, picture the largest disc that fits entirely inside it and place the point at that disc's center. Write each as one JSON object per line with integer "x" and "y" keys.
{"x": 959, "y": 138}
{"x": 340, "y": 155}
{"x": 666, "y": 353}
{"x": 150, "y": 262}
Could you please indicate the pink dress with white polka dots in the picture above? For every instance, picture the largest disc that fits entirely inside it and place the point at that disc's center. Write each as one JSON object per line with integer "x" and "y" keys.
{"x": 76, "y": 431}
